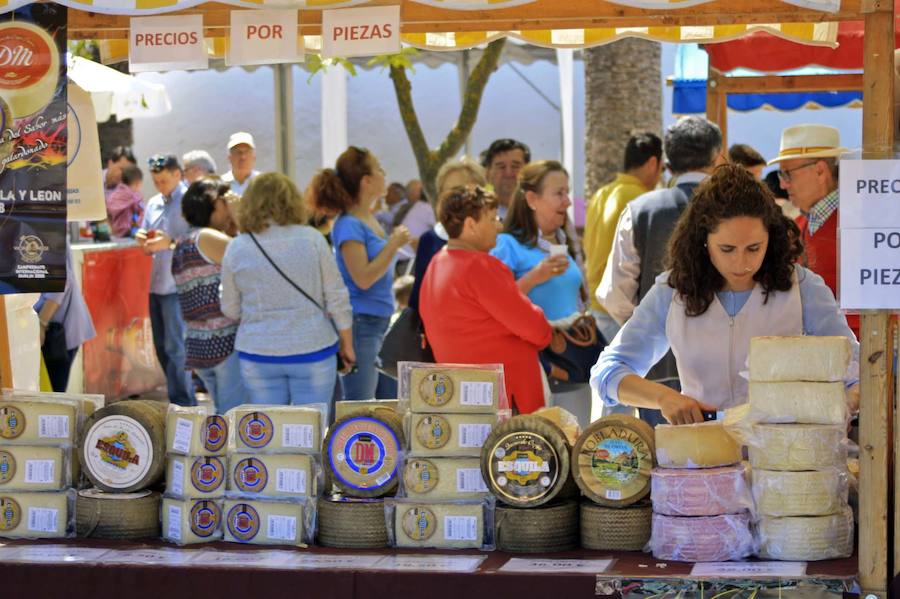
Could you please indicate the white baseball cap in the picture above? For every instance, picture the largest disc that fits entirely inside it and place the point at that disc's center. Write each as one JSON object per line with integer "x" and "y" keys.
{"x": 241, "y": 137}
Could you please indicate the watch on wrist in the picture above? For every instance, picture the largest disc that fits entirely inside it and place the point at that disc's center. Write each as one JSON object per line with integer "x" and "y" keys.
{"x": 172, "y": 245}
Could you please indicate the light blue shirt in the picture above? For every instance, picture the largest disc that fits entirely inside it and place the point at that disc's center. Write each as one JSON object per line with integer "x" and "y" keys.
{"x": 164, "y": 213}
{"x": 377, "y": 300}
{"x": 73, "y": 312}
{"x": 238, "y": 188}
{"x": 559, "y": 296}
{"x": 642, "y": 342}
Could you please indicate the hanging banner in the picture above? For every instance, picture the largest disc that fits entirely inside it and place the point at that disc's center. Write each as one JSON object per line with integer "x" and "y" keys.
{"x": 33, "y": 149}
{"x": 84, "y": 172}
{"x": 166, "y": 44}
{"x": 361, "y": 31}
{"x": 263, "y": 37}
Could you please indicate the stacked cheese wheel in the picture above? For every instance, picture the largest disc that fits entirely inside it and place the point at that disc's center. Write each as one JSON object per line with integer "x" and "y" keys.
{"x": 800, "y": 480}
{"x": 700, "y": 495}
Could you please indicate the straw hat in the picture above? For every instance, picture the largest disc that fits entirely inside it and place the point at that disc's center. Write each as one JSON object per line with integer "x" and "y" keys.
{"x": 809, "y": 141}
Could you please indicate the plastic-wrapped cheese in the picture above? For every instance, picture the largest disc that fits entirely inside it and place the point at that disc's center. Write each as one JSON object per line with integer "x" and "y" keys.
{"x": 264, "y": 522}
{"x": 808, "y": 538}
{"x": 343, "y": 408}
{"x": 195, "y": 477}
{"x": 443, "y": 478}
{"x": 441, "y": 389}
{"x": 38, "y": 423}
{"x": 700, "y": 492}
{"x": 440, "y": 525}
{"x": 36, "y": 515}
{"x": 812, "y": 493}
{"x": 801, "y": 358}
{"x": 192, "y": 431}
{"x": 702, "y": 445}
{"x": 276, "y": 429}
{"x": 460, "y": 435}
{"x": 803, "y": 403}
{"x": 33, "y": 468}
{"x": 701, "y": 539}
{"x": 276, "y": 475}
{"x": 797, "y": 447}
{"x": 191, "y": 521}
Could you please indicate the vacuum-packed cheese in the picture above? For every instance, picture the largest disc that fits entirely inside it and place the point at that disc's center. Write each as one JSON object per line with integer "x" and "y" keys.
{"x": 38, "y": 423}
{"x": 458, "y": 435}
{"x": 277, "y": 429}
{"x": 192, "y": 431}
{"x": 35, "y": 515}
{"x": 800, "y": 358}
{"x": 702, "y": 445}
{"x": 275, "y": 475}
{"x": 811, "y": 493}
{"x": 441, "y": 525}
{"x": 443, "y": 478}
{"x": 34, "y": 468}
{"x": 191, "y": 521}
{"x": 701, "y": 492}
{"x": 803, "y": 403}
{"x": 195, "y": 477}
{"x": 441, "y": 389}
{"x": 701, "y": 539}
{"x": 264, "y": 522}
{"x": 797, "y": 447}
{"x": 343, "y": 408}
{"x": 806, "y": 538}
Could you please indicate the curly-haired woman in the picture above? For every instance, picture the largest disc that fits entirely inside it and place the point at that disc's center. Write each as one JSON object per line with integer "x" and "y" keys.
{"x": 732, "y": 276}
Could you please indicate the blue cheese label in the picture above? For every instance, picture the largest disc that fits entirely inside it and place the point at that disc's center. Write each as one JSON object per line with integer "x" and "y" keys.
{"x": 207, "y": 474}
{"x": 255, "y": 430}
{"x": 243, "y": 522}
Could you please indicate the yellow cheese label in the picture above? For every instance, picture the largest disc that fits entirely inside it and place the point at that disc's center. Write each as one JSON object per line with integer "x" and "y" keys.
{"x": 207, "y": 474}
{"x": 419, "y": 523}
{"x": 205, "y": 518}
{"x": 250, "y": 475}
{"x": 363, "y": 453}
{"x": 10, "y": 513}
{"x": 7, "y": 467}
{"x": 615, "y": 462}
{"x": 216, "y": 433}
{"x": 12, "y": 422}
{"x": 433, "y": 431}
{"x": 420, "y": 476}
{"x": 243, "y": 522}
{"x": 436, "y": 389}
{"x": 523, "y": 466}
{"x": 255, "y": 430}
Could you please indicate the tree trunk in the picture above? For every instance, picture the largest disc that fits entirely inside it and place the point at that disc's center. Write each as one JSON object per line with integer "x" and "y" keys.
{"x": 623, "y": 96}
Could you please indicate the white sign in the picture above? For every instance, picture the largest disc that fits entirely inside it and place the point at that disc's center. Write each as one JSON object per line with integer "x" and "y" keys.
{"x": 870, "y": 194}
{"x": 84, "y": 180}
{"x": 54, "y": 554}
{"x": 545, "y": 566}
{"x": 431, "y": 563}
{"x": 233, "y": 559}
{"x": 147, "y": 557}
{"x": 166, "y": 44}
{"x": 361, "y": 31}
{"x": 749, "y": 569}
{"x": 323, "y": 561}
{"x": 263, "y": 37}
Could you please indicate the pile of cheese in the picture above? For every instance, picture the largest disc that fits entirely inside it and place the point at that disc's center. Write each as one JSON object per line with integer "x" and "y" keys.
{"x": 798, "y": 449}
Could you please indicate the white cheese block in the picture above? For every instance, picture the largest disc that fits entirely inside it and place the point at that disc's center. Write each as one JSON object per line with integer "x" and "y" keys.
{"x": 802, "y": 403}
{"x": 36, "y": 515}
{"x": 702, "y": 538}
{"x": 430, "y": 479}
{"x": 811, "y": 493}
{"x": 191, "y": 521}
{"x": 264, "y": 522}
{"x": 702, "y": 445}
{"x": 801, "y": 358}
{"x": 195, "y": 477}
{"x": 460, "y": 435}
{"x": 797, "y": 447}
{"x": 442, "y": 389}
{"x": 192, "y": 431}
{"x": 275, "y": 475}
{"x": 276, "y": 429}
{"x": 34, "y": 468}
{"x": 440, "y": 525}
{"x": 808, "y": 538}
{"x": 38, "y": 423}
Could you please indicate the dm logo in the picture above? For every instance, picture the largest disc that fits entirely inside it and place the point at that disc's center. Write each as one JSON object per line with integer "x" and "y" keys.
{"x": 207, "y": 474}
{"x": 255, "y": 430}
{"x": 205, "y": 518}
{"x": 251, "y": 475}
{"x": 243, "y": 522}
{"x": 216, "y": 433}
{"x": 12, "y": 422}
{"x": 31, "y": 248}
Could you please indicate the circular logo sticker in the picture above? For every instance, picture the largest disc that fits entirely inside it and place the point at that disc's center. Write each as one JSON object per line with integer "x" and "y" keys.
{"x": 363, "y": 453}
{"x": 255, "y": 430}
{"x": 12, "y": 422}
{"x": 207, "y": 474}
{"x": 25, "y": 55}
{"x": 7, "y": 467}
{"x": 31, "y": 248}
{"x": 524, "y": 466}
{"x": 419, "y": 523}
{"x": 250, "y": 475}
{"x": 10, "y": 513}
{"x": 118, "y": 451}
{"x": 433, "y": 431}
{"x": 436, "y": 389}
{"x": 420, "y": 476}
{"x": 243, "y": 522}
{"x": 216, "y": 433}
{"x": 205, "y": 518}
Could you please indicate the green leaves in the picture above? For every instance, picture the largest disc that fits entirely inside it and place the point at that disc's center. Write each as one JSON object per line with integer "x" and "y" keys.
{"x": 403, "y": 60}
{"x": 315, "y": 64}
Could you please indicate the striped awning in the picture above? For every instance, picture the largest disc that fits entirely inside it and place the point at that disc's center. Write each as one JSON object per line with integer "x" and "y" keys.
{"x": 826, "y": 5}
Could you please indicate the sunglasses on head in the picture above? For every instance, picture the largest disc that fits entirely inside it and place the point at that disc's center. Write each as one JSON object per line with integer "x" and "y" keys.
{"x": 161, "y": 161}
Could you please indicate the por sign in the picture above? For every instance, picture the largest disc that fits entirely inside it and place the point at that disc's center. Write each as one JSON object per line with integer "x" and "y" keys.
{"x": 166, "y": 44}
{"x": 361, "y": 31}
{"x": 263, "y": 37}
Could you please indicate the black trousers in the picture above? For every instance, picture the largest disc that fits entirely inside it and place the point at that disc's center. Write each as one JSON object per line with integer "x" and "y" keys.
{"x": 58, "y": 361}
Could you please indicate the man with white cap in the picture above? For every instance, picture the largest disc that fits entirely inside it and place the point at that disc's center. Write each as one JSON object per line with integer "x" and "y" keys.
{"x": 242, "y": 156}
{"x": 808, "y": 162}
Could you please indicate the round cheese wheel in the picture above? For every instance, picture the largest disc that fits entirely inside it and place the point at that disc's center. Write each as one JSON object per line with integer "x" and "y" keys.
{"x": 551, "y": 527}
{"x": 702, "y": 445}
{"x": 362, "y": 452}
{"x": 30, "y": 60}
{"x": 615, "y": 529}
{"x": 700, "y": 492}
{"x": 350, "y": 523}
{"x": 117, "y": 515}
{"x": 806, "y": 538}
{"x": 811, "y": 493}
{"x": 795, "y": 447}
{"x": 702, "y": 538}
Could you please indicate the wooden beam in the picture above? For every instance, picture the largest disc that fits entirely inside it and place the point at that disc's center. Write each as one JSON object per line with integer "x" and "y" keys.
{"x": 791, "y": 83}
{"x": 6, "y": 379}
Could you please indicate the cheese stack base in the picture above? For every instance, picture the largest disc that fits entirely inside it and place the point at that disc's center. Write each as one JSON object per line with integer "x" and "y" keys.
{"x": 438, "y": 525}
{"x": 708, "y": 492}
{"x": 702, "y": 538}
{"x": 811, "y": 493}
{"x": 36, "y": 515}
{"x": 191, "y": 521}
{"x": 806, "y": 538}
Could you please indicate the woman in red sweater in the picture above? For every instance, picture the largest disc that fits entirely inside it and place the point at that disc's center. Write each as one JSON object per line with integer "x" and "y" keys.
{"x": 473, "y": 311}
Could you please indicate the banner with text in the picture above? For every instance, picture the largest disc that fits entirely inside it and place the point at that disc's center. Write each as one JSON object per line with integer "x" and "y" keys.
{"x": 263, "y": 37}
{"x": 84, "y": 172}
{"x": 166, "y": 44}
{"x": 361, "y": 31}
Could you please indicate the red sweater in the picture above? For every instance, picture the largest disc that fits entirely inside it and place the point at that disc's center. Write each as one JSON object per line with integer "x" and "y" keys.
{"x": 821, "y": 256}
{"x": 475, "y": 314}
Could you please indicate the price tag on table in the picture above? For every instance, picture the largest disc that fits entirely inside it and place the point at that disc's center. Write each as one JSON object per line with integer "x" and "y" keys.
{"x": 150, "y": 557}
{"x": 55, "y": 554}
{"x": 255, "y": 559}
{"x": 324, "y": 561}
{"x": 749, "y": 569}
{"x": 551, "y": 566}
{"x": 431, "y": 563}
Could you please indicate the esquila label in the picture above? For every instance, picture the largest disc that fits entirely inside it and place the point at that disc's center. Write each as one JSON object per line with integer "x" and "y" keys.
{"x": 118, "y": 451}
{"x": 523, "y": 466}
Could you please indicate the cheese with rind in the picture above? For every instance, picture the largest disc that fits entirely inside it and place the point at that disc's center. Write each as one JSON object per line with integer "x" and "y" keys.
{"x": 811, "y": 493}
{"x": 276, "y": 429}
{"x": 264, "y": 522}
{"x": 439, "y": 525}
{"x": 200, "y": 477}
{"x": 446, "y": 389}
{"x": 191, "y": 521}
{"x": 806, "y": 538}
{"x": 798, "y": 402}
{"x": 799, "y": 358}
{"x": 458, "y": 435}
{"x": 796, "y": 447}
{"x": 275, "y": 475}
{"x": 344, "y": 408}
{"x": 36, "y": 515}
{"x": 34, "y": 468}
{"x": 701, "y": 492}
{"x": 702, "y": 445}
{"x": 192, "y": 431}
{"x": 443, "y": 478}
{"x": 38, "y": 423}
{"x": 701, "y": 539}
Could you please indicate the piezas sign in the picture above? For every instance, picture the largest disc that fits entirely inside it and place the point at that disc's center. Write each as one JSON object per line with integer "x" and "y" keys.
{"x": 361, "y": 31}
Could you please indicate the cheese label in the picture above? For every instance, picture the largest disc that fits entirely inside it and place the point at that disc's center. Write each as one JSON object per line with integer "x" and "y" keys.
{"x": 470, "y": 480}
{"x": 436, "y": 389}
{"x": 12, "y": 422}
{"x": 420, "y": 476}
{"x": 243, "y": 522}
{"x": 174, "y": 531}
{"x": 433, "y": 431}
{"x": 290, "y": 480}
{"x": 43, "y": 519}
{"x": 473, "y": 435}
{"x": 255, "y": 430}
{"x": 418, "y": 523}
{"x": 7, "y": 467}
{"x": 29, "y": 61}
{"x": 207, "y": 474}
{"x": 53, "y": 427}
{"x": 216, "y": 433}
{"x": 363, "y": 453}
{"x": 10, "y": 513}
{"x": 184, "y": 430}
{"x": 176, "y": 485}
{"x": 283, "y": 528}
{"x": 297, "y": 435}
{"x": 205, "y": 518}
{"x": 39, "y": 472}
{"x": 523, "y": 466}
{"x": 476, "y": 393}
{"x": 615, "y": 462}
{"x": 460, "y": 528}
{"x": 250, "y": 475}
{"x": 118, "y": 450}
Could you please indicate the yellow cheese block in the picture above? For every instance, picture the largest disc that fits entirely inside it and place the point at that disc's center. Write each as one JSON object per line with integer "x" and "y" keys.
{"x": 276, "y": 429}
{"x": 445, "y": 389}
{"x": 191, "y": 521}
{"x": 196, "y": 477}
{"x": 440, "y": 525}
{"x": 343, "y": 408}
{"x": 34, "y": 468}
{"x": 264, "y": 522}
{"x": 803, "y": 403}
{"x": 811, "y": 493}
{"x": 564, "y": 419}
{"x": 806, "y": 538}
{"x": 460, "y": 435}
{"x": 192, "y": 431}
{"x": 275, "y": 475}
{"x": 797, "y": 447}
{"x": 703, "y": 445}
{"x": 36, "y": 515}
{"x": 32, "y": 422}
{"x": 801, "y": 358}
{"x": 430, "y": 479}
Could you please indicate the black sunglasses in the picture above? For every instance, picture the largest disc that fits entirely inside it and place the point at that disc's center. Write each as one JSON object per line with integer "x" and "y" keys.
{"x": 159, "y": 162}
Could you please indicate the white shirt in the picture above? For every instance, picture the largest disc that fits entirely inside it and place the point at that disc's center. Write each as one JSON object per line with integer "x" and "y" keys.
{"x": 238, "y": 188}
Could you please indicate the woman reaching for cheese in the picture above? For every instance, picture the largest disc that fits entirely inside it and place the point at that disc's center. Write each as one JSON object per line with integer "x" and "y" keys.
{"x": 732, "y": 276}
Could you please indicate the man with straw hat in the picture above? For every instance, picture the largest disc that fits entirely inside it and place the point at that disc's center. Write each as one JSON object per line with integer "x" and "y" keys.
{"x": 808, "y": 160}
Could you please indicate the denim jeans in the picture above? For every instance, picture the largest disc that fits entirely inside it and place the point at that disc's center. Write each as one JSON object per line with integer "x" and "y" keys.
{"x": 168, "y": 340}
{"x": 291, "y": 384}
{"x": 368, "y": 331}
{"x": 225, "y": 383}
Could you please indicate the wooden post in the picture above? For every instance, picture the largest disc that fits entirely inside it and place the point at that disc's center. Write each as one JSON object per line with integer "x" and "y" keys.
{"x": 6, "y": 379}
{"x": 717, "y": 104}
{"x": 875, "y": 353}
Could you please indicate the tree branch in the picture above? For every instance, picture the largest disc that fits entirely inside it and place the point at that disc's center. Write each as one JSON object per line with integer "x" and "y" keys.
{"x": 403, "y": 90}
